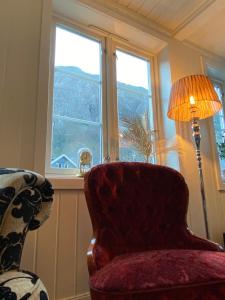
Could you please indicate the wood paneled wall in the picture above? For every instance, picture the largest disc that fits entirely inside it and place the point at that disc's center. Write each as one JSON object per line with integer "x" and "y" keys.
{"x": 57, "y": 251}
{"x": 20, "y": 30}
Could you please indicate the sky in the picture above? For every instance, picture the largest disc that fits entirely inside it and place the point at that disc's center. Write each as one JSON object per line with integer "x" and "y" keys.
{"x": 75, "y": 50}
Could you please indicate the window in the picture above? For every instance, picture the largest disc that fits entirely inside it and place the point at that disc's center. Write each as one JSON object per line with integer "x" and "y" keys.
{"x": 219, "y": 128}
{"x": 94, "y": 88}
{"x": 133, "y": 96}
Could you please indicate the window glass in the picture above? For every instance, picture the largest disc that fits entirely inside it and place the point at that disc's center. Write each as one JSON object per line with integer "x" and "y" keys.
{"x": 84, "y": 103}
{"x": 77, "y": 100}
{"x": 219, "y": 126}
{"x": 134, "y": 106}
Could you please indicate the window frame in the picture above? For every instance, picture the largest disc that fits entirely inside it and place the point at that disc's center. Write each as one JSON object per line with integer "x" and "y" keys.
{"x": 208, "y": 64}
{"x": 219, "y": 181}
{"x": 86, "y": 33}
{"x": 109, "y": 117}
{"x": 148, "y": 58}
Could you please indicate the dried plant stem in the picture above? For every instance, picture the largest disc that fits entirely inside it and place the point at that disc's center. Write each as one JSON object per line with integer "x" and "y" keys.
{"x": 139, "y": 134}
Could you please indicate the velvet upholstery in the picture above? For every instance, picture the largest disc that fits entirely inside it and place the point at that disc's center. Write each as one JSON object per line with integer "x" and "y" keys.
{"x": 141, "y": 246}
{"x": 139, "y": 271}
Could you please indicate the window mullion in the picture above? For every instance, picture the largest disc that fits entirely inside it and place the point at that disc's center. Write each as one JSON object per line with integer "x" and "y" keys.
{"x": 104, "y": 139}
{"x": 112, "y": 115}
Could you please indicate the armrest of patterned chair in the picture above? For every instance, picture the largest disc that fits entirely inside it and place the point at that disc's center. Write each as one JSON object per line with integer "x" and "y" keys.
{"x": 25, "y": 203}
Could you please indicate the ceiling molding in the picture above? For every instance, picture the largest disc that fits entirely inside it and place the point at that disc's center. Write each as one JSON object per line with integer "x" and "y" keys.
{"x": 195, "y": 14}
{"x": 199, "y": 20}
{"x": 127, "y": 15}
{"x": 204, "y": 51}
{"x": 183, "y": 32}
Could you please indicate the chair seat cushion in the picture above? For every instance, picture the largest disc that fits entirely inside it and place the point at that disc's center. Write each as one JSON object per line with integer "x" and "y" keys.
{"x": 160, "y": 269}
{"x": 21, "y": 285}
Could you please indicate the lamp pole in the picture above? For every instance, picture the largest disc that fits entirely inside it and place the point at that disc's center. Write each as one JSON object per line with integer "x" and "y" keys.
{"x": 197, "y": 138}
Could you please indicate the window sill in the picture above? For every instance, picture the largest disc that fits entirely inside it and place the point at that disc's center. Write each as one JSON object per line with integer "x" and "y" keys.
{"x": 64, "y": 182}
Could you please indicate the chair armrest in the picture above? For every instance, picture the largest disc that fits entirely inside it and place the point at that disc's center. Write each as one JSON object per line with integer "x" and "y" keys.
{"x": 25, "y": 203}
{"x": 185, "y": 239}
{"x": 192, "y": 241}
{"x": 92, "y": 267}
{"x": 97, "y": 257}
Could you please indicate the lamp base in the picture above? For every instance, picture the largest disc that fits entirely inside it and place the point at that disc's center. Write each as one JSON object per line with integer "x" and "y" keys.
{"x": 197, "y": 138}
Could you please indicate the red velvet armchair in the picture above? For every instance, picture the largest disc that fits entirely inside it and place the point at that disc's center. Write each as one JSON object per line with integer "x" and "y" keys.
{"x": 142, "y": 248}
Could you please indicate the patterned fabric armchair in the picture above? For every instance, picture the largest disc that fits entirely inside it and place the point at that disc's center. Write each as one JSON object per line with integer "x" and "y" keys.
{"x": 142, "y": 248}
{"x": 25, "y": 203}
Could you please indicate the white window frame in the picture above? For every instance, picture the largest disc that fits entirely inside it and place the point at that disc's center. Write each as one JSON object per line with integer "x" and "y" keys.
{"x": 207, "y": 63}
{"x": 86, "y": 33}
{"x": 124, "y": 47}
{"x": 109, "y": 44}
{"x": 219, "y": 181}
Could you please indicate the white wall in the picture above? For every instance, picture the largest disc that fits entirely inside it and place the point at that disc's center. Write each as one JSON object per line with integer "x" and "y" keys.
{"x": 185, "y": 61}
{"x": 20, "y": 28}
{"x": 167, "y": 127}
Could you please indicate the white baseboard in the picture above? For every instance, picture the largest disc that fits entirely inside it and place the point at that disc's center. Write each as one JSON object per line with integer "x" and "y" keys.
{"x": 85, "y": 296}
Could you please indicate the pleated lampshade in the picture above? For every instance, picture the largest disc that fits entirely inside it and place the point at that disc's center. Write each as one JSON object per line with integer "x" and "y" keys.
{"x": 193, "y": 97}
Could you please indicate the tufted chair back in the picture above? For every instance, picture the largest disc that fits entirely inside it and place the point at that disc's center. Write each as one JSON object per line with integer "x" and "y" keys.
{"x": 25, "y": 203}
{"x": 137, "y": 207}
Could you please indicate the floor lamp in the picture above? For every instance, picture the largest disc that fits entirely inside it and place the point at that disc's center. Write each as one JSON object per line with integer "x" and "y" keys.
{"x": 193, "y": 98}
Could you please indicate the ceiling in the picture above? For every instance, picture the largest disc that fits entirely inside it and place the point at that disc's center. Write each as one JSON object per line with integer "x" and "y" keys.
{"x": 170, "y": 14}
{"x": 200, "y": 23}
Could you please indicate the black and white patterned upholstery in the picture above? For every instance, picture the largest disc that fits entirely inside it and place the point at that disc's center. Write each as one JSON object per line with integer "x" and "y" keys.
{"x": 25, "y": 203}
